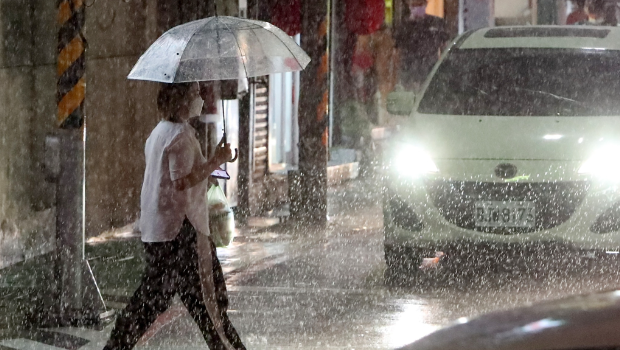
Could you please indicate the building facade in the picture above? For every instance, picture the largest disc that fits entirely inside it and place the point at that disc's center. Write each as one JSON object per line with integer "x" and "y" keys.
{"x": 121, "y": 113}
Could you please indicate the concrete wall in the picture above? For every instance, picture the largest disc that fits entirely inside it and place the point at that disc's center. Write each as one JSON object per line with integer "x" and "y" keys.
{"x": 511, "y": 8}
{"x": 512, "y": 12}
{"x": 27, "y": 112}
{"x": 120, "y": 115}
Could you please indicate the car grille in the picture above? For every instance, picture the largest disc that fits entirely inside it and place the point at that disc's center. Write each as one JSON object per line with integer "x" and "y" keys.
{"x": 555, "y": 201}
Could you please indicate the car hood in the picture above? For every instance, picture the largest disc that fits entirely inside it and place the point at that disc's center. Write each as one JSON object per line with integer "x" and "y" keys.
{"x": 586, "y": 321}
{"x": 491, "y": 137}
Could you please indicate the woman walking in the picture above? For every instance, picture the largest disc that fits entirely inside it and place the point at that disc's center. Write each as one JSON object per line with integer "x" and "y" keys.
{"x": 173, "y": 215}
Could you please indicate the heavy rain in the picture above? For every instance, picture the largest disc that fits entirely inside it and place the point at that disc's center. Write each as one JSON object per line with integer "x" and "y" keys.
{"x": 296, "y": 174}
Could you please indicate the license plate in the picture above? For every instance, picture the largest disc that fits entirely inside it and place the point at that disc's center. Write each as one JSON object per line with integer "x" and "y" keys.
{"x": 505, "y": 214}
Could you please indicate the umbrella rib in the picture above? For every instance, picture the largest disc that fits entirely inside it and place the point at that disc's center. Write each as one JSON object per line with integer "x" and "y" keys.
{"x": 274, "y": 34}
{"x": 187, "y": 43}
{"x": 238, "y": 47}
{"x": 283, "y": 43}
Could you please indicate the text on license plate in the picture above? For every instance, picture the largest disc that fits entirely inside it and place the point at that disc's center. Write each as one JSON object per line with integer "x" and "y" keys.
{"x": 505, "y": 214}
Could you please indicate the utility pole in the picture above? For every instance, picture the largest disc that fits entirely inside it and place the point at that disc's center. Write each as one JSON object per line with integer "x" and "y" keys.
{"x": 310, "y": 203}
{"x": 246, "y": 138}
{"x": 77, "y": 297}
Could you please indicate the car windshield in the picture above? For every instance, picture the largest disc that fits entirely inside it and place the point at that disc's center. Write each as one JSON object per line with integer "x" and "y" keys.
{"x": 525, "y": 82}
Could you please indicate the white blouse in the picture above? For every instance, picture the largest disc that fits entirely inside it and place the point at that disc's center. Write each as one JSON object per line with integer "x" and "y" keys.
{"x": 171, "y": 151}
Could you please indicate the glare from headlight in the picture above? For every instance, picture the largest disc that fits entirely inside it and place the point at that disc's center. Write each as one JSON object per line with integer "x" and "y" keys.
{"x": 604, "y": 164}
{"x": 412, "y": 162}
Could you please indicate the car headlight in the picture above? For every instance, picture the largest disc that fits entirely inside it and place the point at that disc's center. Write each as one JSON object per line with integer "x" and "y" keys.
{"x": 412, "y": 162}
{"x": 604, "y": 164}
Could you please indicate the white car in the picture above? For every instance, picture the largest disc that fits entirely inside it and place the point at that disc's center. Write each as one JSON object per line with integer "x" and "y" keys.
{"x": 514, "y": 140}
{"x": 585, "y": 322}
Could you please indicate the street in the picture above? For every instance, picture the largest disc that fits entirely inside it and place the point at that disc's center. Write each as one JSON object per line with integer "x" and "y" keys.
{"x": 392, "y": 168}
{"x": 323, "y": 289}
{"x": 332, "y": 296}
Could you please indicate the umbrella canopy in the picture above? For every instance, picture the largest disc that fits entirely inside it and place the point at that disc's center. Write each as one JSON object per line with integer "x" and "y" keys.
{"x": 219, "y": 48}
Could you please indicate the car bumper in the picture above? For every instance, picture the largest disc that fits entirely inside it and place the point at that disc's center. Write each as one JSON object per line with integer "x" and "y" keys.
{"x": 414, "y": 219}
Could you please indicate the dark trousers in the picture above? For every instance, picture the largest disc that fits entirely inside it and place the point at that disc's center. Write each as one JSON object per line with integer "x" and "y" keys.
{"x": 172, "y": 267}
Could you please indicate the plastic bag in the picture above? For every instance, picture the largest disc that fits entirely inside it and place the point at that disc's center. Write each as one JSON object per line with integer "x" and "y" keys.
{"x": 221, "y": 217}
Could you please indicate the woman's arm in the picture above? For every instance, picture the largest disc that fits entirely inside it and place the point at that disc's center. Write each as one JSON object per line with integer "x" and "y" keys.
{"x": 222, "y": 155}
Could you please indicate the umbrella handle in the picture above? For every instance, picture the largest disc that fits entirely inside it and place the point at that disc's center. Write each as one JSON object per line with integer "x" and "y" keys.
{"x": 235, "y": 157}
{"x": 224, "y": 141}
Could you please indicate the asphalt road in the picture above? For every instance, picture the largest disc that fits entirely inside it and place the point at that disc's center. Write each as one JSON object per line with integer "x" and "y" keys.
{"x": 330, "y": 293}
{"x": 333, "y": 296}
{"x": 324, "y": 289}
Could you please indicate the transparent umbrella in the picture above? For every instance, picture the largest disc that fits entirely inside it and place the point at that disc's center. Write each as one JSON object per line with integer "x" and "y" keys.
{"x": 219, "y": 48}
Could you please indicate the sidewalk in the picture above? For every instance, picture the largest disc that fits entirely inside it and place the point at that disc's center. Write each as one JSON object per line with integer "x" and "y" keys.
{"x": 117, "y": 262}
{"x": 117, "y": 257}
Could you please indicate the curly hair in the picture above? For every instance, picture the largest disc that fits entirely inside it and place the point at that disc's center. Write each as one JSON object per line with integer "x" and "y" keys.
{"x": 169, "y": 99}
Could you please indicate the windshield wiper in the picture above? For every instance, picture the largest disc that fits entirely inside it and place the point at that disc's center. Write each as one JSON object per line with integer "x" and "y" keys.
{"x": 547, "y": 93}
{"x": 473, "y": 87}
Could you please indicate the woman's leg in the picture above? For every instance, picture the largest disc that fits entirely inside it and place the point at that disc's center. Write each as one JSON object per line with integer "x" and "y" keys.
{"x": 221, "y": 295}
{"x": 150, "y": 300}
{"x": 190, "y": 291}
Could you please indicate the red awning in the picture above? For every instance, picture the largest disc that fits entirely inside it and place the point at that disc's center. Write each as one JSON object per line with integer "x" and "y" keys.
{"x": 286, "y": 15}
{"x": 364, "y": 16}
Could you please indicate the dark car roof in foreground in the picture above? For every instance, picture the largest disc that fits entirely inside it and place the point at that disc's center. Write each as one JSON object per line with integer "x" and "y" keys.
{"x": 578, "y": 322}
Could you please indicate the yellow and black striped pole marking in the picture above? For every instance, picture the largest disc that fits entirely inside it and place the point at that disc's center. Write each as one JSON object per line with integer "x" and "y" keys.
{"x": 322, "y": 76}
{"x": 71, "y": 85}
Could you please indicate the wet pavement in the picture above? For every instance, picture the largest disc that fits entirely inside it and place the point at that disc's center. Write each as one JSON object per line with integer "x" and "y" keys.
{"x": 301, "y": 288}
{"x": 333, "y": 296}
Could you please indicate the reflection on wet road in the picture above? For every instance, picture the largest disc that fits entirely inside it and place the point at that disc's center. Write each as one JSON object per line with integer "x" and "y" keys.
{"x": 303, "y": 288}
{"x": 332, "y": 296}
{"x": 329, "y": 293}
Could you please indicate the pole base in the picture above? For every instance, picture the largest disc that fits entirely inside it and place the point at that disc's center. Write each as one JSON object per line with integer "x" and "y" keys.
{"x": 91, "y": 313}
{"x": 70, "y": 318}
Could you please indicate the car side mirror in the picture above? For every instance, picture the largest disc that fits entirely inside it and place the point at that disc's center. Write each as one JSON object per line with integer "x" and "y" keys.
{"x": 400, "y": 101}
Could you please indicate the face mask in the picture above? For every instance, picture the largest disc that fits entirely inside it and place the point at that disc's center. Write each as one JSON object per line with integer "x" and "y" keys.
{"x": 195, "y": 108}
{"x": 417, "y": 11}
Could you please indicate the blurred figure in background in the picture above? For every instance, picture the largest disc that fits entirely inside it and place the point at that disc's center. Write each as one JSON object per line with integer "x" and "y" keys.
{"x": 419, "y": 40}
{"x": 579, "y": 14}
{"x": 601, "y": 13}
{"x": 385, "y": 56}
{"x": 362, "y": 71}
